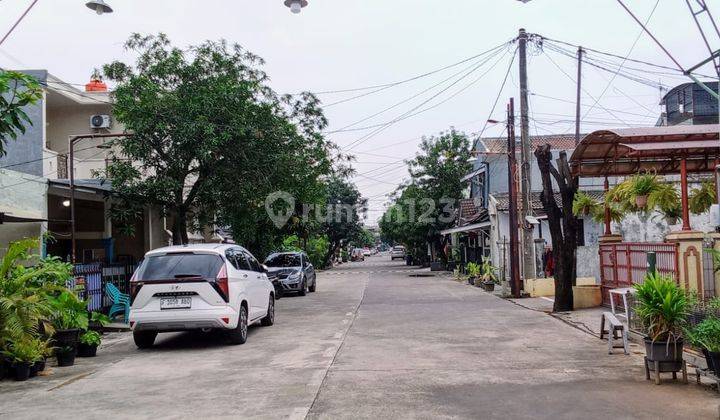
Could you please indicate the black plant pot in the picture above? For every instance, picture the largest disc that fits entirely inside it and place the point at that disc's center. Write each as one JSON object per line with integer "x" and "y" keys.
{"x": 670, "y": 355}
{"x": 66, "y": 338}
{"x": 3, "y": 369}
{"x": 66, "y": 358}
{"x": 86, "y": 350}
{"x": 712, "y": 358}
{"x": 471, "y": 281}
{"x": 22, "y": 371}
{"x": 451, "y": 265}
{"x": 488, "y": 286}
{"x": 40, "y": 365}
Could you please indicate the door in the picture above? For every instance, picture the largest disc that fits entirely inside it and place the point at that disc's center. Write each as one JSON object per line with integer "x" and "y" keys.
{"x": 259, "y": 289}
{"x": 240, "y": 273}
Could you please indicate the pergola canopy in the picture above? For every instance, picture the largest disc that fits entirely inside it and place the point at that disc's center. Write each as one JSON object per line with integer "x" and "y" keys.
{"x": 627, "y": 151}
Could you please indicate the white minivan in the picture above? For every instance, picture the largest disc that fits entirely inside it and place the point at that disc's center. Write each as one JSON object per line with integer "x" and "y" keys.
{"x": 204, "y": 286}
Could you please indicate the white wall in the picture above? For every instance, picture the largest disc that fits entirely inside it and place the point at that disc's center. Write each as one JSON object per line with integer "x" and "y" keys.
{"x": 22, "y": 195}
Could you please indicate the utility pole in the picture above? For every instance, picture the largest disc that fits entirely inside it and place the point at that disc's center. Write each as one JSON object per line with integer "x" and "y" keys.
{"x": 577, "y": 100}
{"x": 512, "y": 189}
{"x": 528, "y": 246}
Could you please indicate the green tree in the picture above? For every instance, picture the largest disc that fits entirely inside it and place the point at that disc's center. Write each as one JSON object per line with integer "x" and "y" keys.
{"x": 17, "y": 90}
{"x": 427, "y": 205}
{"x": 210, "y": 137}
{"x": 401, "y": 224}
{"x": 343, "y": 205}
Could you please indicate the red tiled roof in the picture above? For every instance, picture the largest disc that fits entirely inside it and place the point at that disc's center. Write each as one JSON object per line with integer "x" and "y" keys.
{"x": 556, "y": 141}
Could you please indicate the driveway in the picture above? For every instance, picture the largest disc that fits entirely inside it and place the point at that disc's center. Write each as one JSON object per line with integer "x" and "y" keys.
{"x": 375, "y": 341}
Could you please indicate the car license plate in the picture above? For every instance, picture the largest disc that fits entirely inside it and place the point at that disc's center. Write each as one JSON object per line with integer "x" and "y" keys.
{"x": 175, "y": 303}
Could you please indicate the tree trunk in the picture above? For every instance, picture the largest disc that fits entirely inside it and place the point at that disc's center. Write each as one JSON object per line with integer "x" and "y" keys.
{"x": 332, "y": 248}
{"x": 179, "y": 229}
{"x": 562, "y": 222}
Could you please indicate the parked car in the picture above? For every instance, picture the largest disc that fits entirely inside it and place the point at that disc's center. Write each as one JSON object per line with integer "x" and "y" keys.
{"x": 367, "y": 252}
{"x": 294, "y": 272}
{"x": 199, "y": 287}
{"x": 397, "y": 252}
{"x": 357, "y": 255}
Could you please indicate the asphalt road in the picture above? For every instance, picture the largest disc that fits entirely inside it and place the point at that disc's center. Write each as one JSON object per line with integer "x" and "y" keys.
{"x": 375, "y": 341}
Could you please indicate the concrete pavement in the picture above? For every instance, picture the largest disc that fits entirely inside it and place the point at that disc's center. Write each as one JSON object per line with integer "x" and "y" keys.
{"x": 373, "y": 341}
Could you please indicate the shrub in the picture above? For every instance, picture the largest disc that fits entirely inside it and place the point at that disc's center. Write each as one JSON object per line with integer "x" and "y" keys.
{"x": 662, "y": 307}
{"x": 705, "y": 335}
{"x": 91, "y": 338}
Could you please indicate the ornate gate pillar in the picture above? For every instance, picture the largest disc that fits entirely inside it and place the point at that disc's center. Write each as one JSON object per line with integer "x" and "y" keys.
{"x": 690, "y": 261}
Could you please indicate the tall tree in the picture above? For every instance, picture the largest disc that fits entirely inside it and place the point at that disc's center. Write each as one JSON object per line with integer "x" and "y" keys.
{"x": 17, "y": 90}
{"x": 344, "y": 203}
{"x": 401, "y": 224}
{"x": 443, "y": 160}
{"x": 563, "y": 224}
{"x": 210, "y": 137}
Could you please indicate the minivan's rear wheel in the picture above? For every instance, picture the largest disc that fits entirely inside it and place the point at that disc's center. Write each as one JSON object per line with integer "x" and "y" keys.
{"x": 312, "y": 288}
{"x": 144, "y": 339}
{"x": 238, "y": 335}
{"x": 270, "y": 317}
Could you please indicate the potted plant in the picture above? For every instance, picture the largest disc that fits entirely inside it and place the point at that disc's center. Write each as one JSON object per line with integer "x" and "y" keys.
{"x": 344, "y": 256}
{"x": 584, "y": 205}
{"x": 662, "y": 310}
{"x": 672, "y": 213}
{"x": 706, "y": 336}
{"x": 642, "y": 185}
{"x": 473, "y": 271}
{"x": 488, "y": 276}
{"x": 700, "y": 199}
{"x": 23, "y": 352}
{"x": 69, "y": 317}
{"x": 65, "y": 355}
{"x": 88, "y": 343}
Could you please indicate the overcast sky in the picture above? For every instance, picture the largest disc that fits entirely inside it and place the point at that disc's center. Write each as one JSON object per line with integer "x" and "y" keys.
{"x": 344, "y": 44}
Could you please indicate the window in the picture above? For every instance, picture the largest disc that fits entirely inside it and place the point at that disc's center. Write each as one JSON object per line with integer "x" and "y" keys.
{"x": 179, "y": 265}
{"x": 283, "y": 260}
{"x": 252, "y": 262}
{"x": 242, "y": 261}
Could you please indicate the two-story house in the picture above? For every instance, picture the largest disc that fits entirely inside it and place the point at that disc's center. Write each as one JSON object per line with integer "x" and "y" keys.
{"x": 34, "y": 182}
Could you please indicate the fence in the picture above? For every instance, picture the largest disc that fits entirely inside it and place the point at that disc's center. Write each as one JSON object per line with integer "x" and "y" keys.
{"x": 95, "y": 276}
{"x": 624, "y": 264}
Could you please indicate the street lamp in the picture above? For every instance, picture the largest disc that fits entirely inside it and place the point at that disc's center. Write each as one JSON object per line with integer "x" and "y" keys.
{"x": 99, "y": 6}
{"x": 296, "y": 5}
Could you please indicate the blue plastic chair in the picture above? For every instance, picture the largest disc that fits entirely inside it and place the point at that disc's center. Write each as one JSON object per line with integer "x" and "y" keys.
{"x": 120, "y": 302}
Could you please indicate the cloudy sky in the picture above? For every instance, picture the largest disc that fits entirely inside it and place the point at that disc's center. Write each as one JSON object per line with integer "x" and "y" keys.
{"x": 347, "y": 44}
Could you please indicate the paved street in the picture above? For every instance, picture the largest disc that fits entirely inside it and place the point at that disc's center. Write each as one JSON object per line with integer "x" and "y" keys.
{"x": 375, "y": 341}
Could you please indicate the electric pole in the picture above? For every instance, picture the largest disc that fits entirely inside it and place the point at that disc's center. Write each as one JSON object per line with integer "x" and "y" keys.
{"x": 577, "y": 103}
{"x": 512, "y": 198}
{"x": 528, "y": 245}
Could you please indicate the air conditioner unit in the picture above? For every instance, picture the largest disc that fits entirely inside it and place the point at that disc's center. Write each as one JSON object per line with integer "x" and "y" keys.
{"x": 100, "y": 121}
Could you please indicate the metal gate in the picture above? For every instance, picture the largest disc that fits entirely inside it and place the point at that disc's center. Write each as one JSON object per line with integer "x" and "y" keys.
{"x": 624, "y": 264}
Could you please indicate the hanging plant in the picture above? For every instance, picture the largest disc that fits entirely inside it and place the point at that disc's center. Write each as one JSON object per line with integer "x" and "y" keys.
{"x": 584, "y": 205}
{"x": 702, "y": 198}
{"x": 617, "y": 213}
{"x": 672, "y": 212}
{"x": 664, "y": 197}
{"x": 642, "y": 185}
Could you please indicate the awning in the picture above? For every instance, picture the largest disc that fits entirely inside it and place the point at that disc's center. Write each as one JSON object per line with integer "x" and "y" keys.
{"x": 8, "y": 218}
{"x": 472, "y": 175}
{"x": 619, "y": 152}
{"x": 468, "y": 228}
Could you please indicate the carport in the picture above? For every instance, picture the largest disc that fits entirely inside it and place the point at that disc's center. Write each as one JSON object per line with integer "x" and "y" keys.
{"x": 680, "y": 149}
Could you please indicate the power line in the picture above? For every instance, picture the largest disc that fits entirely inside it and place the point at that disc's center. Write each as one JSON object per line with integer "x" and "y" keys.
{"x": 345, "y": 128}
{"x": 632, "y": 47}
{"x": 411, "y": 112}
{"x": 391, "y": 84}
